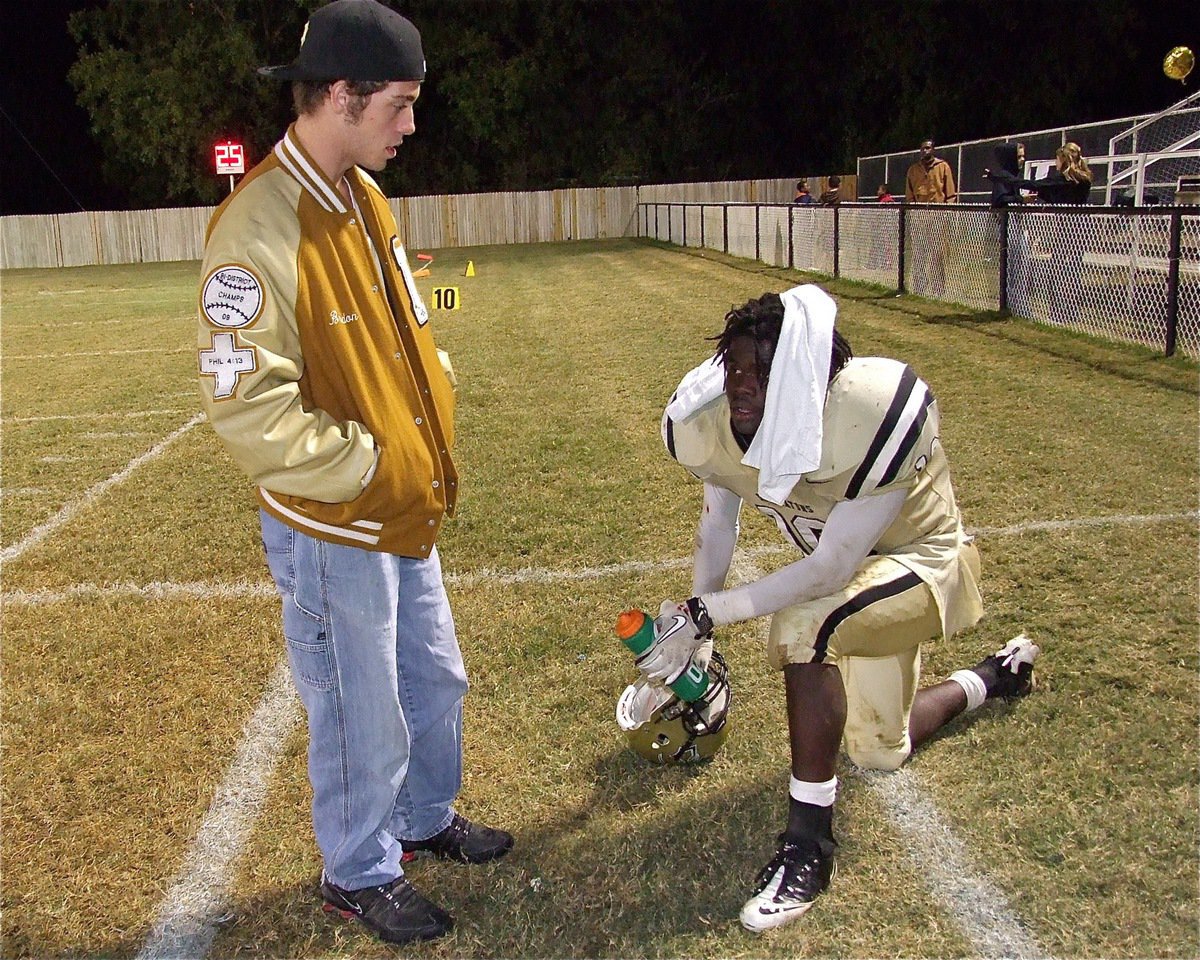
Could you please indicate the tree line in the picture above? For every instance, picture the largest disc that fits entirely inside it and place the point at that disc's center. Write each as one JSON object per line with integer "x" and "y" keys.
{"x": 539, "y": 94}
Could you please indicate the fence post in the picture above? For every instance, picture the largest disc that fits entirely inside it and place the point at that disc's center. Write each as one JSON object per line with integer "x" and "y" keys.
{"x": 702, "y": 244}
{"x": 1173, "y": 280}
{"x": 757, "y": 237}
{"x": 656, "y": 237}
{"x": 900, "y": 250}
{"x": 683, "y": 210}
{"x": 725, "y": 209}
{"x": 1003, "y": 213}
{"x": 791, "y": 242}
{"x": 837, "y": 246}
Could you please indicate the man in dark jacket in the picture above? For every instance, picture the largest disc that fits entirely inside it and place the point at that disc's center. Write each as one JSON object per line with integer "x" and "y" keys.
{"x": 833, "y": 196}
{"x": 1006, "y": 192}
{"x": 1006, "y": 174}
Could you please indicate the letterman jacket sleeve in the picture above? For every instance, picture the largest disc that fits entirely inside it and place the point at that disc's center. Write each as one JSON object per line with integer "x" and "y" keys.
{"x": 250, "y": 361}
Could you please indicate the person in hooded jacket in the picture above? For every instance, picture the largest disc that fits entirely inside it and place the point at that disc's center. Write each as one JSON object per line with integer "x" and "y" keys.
{"x": 1006, "y": 192}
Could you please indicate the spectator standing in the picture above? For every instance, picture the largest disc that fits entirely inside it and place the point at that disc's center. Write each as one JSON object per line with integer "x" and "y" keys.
{"x": 884, "y": 234}
{"x": 930, "y": 180}
{"x": 803, "y": 197}
{"x": 832, "y": 196}
{"x": 1070, "y": 182}
{"x": 319, "y": 373}
{"x": 1006, "y": 179}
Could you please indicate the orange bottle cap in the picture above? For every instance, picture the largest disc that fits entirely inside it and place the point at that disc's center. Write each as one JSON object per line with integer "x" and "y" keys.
{"x": 629, "y": 622}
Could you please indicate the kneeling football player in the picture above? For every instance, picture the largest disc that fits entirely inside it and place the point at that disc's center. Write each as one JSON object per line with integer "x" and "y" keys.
{"x": 843, "y": 453}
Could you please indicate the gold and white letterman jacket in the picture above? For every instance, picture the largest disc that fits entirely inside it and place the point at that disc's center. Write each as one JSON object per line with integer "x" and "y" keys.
{"x": 318, "y": 369}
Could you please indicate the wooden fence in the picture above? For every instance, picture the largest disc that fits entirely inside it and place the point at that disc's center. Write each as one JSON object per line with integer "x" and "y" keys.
{"x": 742, "y": 191}
{"x": 436, "y": 222}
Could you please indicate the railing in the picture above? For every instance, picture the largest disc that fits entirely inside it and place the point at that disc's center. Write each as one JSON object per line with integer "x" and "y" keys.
{"x": 1123, "y": 274}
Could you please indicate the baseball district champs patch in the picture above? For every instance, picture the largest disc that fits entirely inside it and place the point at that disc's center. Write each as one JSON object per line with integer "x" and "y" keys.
{"x": 231, "y": 297}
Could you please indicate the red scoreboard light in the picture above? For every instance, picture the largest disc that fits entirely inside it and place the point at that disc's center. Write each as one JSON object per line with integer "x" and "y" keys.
{"x": 230, "y": 158}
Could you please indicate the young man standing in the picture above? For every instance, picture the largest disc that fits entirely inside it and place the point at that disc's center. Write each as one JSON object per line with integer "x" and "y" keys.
{"x": 319, "y": 372}
{"x": 930, "y": 180}
{"x": 833, "y": 195}
{"x": 843, "y": 453}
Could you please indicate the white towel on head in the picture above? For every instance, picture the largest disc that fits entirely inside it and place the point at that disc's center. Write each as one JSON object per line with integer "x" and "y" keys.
{"x": 787, "y": 444}
{"x": 788, "y": 441}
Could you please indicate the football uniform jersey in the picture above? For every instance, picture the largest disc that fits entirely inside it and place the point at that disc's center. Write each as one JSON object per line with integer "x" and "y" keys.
{"x": 880, "y": 433}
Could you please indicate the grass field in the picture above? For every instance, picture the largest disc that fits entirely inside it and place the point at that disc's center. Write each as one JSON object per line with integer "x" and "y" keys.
{"x": 147, "y": 794}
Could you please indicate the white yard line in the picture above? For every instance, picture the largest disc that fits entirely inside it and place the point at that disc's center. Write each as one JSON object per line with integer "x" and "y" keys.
{"x": 185, "y": 925}
{"x": 99, "y": 294}
{"x": 97, "y": 353}
{"x": 941, "y": 860}
{"x": 44, "y": 324}
{"x": 135, "y": 415}
{"x": 141, "y": 322}
{"x": 1054, "y": 526}
{"x": 71, "y": 509}
{"x": 944, "y": 863}
{"x": 156, "y": 590}
{"x": 164, "y": 590}
{"x": 187, "y": 919}
{"x": 186, "y": 922}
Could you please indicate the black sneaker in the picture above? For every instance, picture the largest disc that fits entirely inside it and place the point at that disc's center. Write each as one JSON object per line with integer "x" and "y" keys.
{"x": 788, "y": 885}
{"x": 1008, "y": 673}
{"x": 394, "y": 912}
{"x": 463, "y": 841}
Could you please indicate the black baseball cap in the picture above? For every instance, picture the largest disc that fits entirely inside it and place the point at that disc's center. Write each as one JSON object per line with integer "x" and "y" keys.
{"x": 355, "y": 40}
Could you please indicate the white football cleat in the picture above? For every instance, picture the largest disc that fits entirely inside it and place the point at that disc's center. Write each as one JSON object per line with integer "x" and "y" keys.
{"x": 789, "y": 885}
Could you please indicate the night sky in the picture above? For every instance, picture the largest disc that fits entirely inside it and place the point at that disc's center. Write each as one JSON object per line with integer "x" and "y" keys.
{"x": 46, "y": 153}
{"x": 49, "y": 158}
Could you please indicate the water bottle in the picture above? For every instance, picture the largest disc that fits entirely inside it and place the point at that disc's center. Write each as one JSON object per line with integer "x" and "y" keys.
{"x": 636, "y": 631}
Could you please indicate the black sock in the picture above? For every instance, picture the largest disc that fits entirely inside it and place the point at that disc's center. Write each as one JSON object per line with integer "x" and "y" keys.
{"x": 807, "y": 821}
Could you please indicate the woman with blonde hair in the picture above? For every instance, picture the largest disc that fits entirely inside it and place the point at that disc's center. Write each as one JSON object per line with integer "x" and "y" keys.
{"x": 1070, "y": 182}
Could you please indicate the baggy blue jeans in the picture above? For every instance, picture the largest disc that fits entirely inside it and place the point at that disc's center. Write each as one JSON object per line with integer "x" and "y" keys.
{"x": 373, "y": 653}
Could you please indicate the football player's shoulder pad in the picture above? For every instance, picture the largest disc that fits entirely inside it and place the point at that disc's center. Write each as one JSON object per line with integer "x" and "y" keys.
{"x": 855, "y": 407}
{"x": 694, "y": 440}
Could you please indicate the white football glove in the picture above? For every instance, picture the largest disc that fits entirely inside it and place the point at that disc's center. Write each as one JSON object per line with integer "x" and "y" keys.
{"x": 682, "y": 633}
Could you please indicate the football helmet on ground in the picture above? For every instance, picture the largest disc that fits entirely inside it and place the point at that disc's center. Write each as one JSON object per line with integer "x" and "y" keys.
{"x": 664, "y": 729}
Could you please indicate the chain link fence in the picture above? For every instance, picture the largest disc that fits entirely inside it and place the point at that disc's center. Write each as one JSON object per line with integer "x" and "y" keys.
{"x": 1134, "y": 160}
{"x": 1131, "y": 274}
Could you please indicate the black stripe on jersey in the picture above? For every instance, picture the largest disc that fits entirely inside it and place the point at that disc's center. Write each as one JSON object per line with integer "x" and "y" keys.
{"x": 857, "y": 604}
{"x": 909, "y": 441}
{"x": 908, "y": 380}
{"x": 671, "y": 438}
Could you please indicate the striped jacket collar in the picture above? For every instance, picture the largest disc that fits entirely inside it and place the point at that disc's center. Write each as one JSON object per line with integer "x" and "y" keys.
{"x": 300, "y": 164}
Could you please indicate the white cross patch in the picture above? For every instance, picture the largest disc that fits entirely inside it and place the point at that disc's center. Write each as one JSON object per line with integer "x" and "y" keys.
{"x": 226, "y": 362}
